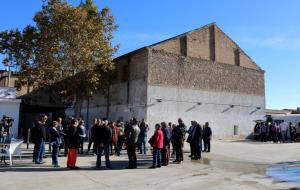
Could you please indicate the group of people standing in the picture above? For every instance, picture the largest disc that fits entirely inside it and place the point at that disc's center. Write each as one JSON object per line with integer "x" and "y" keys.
{"x": 167, "y": 135}
{"x": 278, "y": 132}
{"x": 110, "y": 138}
{"x": 197, "y": 134}
{"x": 71, "y": 138}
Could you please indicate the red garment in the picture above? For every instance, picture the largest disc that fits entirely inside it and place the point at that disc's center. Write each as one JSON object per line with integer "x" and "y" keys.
{"x": 72, "y": 157}
{"x": 115, "y": 134}
{"x": 158, "y": 139}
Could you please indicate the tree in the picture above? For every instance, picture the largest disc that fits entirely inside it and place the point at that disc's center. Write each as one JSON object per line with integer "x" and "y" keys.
{"x": 19, "y": 47}
{"x": 69, "y": 47}
{"x": 107, "y": 79}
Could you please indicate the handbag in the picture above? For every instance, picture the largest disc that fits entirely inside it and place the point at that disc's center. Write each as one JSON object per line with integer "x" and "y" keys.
{"x": 151, "y": 141}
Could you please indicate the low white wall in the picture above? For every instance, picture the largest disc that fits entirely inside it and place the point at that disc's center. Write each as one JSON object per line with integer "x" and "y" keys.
{"x": 215, "y": 109}
{"x": 11, "y": 108}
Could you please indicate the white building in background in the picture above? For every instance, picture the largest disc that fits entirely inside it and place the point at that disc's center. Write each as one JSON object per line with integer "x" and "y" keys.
{"x": 10, "y": 106}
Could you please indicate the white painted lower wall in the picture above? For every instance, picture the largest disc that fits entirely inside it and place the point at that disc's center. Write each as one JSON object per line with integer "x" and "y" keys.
{"x": 215, "y": 109}
{"x": 177, "y": 102}
{"x": 117, "y": 112}
{"x": 11, "y": 108}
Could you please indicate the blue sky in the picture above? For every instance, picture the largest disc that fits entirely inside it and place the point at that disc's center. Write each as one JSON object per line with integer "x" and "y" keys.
{"x": 267, "y": 30}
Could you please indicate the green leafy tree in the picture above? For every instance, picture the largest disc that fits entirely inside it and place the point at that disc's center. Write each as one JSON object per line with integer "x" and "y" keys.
{"x": 19, "y": 47}
{"x": 69, "y": 48}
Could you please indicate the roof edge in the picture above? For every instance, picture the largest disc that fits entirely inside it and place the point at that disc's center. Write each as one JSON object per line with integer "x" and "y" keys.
{"x": 174, "y": 37}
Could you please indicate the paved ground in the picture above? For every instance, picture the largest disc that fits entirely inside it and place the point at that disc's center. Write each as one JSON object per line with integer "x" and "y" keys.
{"x": 230, "y": 165}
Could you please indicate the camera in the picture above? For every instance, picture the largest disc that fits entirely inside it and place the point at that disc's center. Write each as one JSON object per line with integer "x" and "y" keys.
{"x": 5, "y": 125}
{"x": 7, "y": 121}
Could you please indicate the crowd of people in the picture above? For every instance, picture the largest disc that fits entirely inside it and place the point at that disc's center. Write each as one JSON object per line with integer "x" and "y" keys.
{"x": 277, "y": 132}
{"x": 107, "y": 138}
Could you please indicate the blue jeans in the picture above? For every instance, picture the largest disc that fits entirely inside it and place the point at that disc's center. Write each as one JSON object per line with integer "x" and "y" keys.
{"x": 55, "y": 150}
{"x": 198, "y": 149}
{"x": 157, "y": 157}
{"x": 2, "y": 138}
{"x": 143, "y": 145}
{"x": 39, "y": 150}
{"x": 283, "y": 136}
{"x": 106, "y": 154}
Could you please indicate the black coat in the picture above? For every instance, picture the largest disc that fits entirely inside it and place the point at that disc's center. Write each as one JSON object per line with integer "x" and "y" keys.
{"x": 167, "y": 136}
{"x": 102, "y": 135}
{"x": 183, "y": 129}
{"x": 73, "y": 137}
{"x": 207, "y": 133}
{"x": 93, "y": 132}
{"x": 38, "y": 131}
{"x": 177, "y": 137}
{"x": 197, "y": 134}
{"x": 55, "y": 136}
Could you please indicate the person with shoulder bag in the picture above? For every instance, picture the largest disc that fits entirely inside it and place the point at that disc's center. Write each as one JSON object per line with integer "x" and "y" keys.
{"x": 157, "y": 144}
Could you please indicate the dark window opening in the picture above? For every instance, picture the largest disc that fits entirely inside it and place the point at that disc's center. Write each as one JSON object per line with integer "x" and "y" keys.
{"x": 237, "y": 57}
{"x": 125, "y": 74}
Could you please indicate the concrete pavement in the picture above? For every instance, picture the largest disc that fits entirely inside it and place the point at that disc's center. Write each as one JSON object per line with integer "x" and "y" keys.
{"x": 230, "y": 165}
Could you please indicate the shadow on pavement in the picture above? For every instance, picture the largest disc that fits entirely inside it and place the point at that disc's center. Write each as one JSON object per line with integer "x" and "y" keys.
{"x": 116, "y": 165}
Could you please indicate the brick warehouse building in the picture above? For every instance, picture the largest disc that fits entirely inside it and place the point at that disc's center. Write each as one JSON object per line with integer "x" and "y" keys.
{"x": 200, "y": 75}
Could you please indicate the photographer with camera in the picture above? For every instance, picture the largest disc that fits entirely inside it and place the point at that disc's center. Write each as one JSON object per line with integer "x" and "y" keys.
{"x": 5, "y": 125}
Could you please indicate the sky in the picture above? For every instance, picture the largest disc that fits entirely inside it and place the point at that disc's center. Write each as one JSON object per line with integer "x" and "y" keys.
{"x": 267, "y": 30}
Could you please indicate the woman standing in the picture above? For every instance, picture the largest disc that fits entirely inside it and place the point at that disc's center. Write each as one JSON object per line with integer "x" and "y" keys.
{"x": 120, "y": 136}
{"x": 115, "y": 138}
{"x": 73, "y": 144}
{"x": 157, "y": 142}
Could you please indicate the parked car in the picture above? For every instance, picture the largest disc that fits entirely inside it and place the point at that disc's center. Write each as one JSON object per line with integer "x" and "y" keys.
{"x": 256, "y": 130}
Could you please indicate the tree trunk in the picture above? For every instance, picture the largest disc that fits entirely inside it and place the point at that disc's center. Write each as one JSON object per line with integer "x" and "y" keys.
{"x": 107, "y": 103}
{"x": 77, "y": 106}
{"x": 28, "y": 88}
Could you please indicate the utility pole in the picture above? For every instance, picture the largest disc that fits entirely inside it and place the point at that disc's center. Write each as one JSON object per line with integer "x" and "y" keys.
{"x": 9, "y": 73}
{"x": 87, "y": 117}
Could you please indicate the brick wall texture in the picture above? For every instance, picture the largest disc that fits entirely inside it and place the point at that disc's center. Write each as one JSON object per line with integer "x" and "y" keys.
{"x": 204, "y": 58}
{"x": 169, "y": 69}
{"x": 210, "y": 43}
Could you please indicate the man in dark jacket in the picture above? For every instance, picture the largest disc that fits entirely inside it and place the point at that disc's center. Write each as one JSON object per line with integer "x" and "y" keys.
{"x": 190, "y": 132}
{"x": 93, "y": 129}
{"x": 178, "y": 135}
{"x": 65, "y": 138}
{"x": 103, "y": 137}
{"x": 39, "y": 136}
{"x": 132, "y": 133}
{"x": 197, "y": 141}
{"x": 144, "y": 128}
{"x": 55, "y": 141}
{"x": 207, "y": 137}
{"x": 165, "y": 152}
